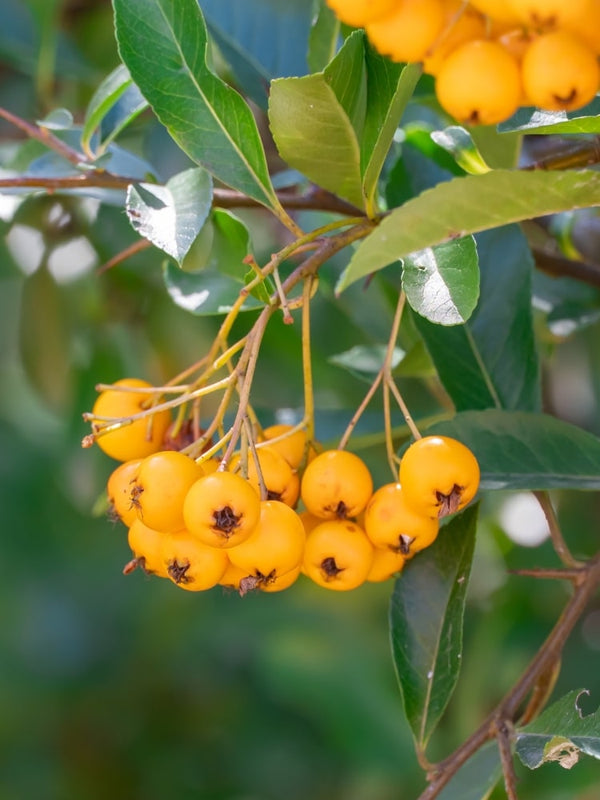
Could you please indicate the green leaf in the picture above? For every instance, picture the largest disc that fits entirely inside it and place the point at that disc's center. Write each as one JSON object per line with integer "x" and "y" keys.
{"x": 442, "y": 282}
{"x": 114, "y": 104}
{"x": 492, "y": 360}
{"x": 231, "y": 244}
{"x": 316, "y": 121}
{"x": 426, "y": 619}
{"x": 467, "y": 205}
{"x": 365, "y": 360}
{"x": 323, "y": 38}
{"x": 521, "y": 450}
{"x": 477, "y": 777}
{"x": 60, "y": 119}
{"x": 389, "y": 88}
{"x": 171, "y": 216}
{"x": 534, "y": 120}
{"x": 459, "y": 143}
{"x": 561, "y": 733}
{"x": 163, "y": 43}
{"x": 260, "y": 40}
{"x": 204, "y": 292}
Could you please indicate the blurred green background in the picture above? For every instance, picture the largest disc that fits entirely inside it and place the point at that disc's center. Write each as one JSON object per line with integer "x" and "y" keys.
{"x": 114, "y": 687}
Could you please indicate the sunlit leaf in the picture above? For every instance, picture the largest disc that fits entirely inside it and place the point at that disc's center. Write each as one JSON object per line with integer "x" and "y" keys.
{"x": 459, "y": 143}
{"x": 204, "y": 292}
{"x": 534, "y": 120}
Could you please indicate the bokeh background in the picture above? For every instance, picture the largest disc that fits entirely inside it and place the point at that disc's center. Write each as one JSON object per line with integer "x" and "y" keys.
{"x": 126, "y": 687}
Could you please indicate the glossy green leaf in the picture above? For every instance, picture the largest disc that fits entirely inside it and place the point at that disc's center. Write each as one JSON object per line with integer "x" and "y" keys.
{"x": 389, "y": 88}
{"x": 316, "y": 121}
{"x": 163, "y": 43}
{"x": 60, "y": 119}
{"x": 561, "y": 733}
{"x": 366, "y": 360}
{"x": 324, "y": 36}
{"x": 114, "y": 104}
{"x": 171, "y": 216}
{"x": 477, "y": 777}
{"x": 261, "y": 40}
{"x": 231, "y": 244}
{"x": 468, "y": 205}
{"x": 492, "y": 361}
{"x": 442, "y": 282}
{"x": 521, "y": 450}
{"x": 204, "y": 292}
{"x": 459, "y": 143}
{"x": 534, "y": 120}
{"x": 426, "y": 622}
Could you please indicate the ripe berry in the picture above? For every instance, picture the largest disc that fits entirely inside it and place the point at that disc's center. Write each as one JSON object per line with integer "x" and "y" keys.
{"x": 392, "y": 523}
{"x": 158, "y": 492}
{"x": 499, "y": 10}
{"x": 281, "y": 482}
{"x": 439, "y": 476}
{"x": 291, "y": 447}
{"x": 336, "y": 484}
{"x": 479, "y": 83}
{"x": 138, "y": 439}
{"x": 386, "y": 564}
{"x": 549, "y": 14}
{"x": 359, "y": 12}
{"x": 190, "y": 564}
{"x": 338, "y": 555}
{"x": 118, "y": 489}
{"x": 409, "y": 31}
{"x": 461, "y": 24}
{"x": 145, "y": 544}
{"x": 221, "y": 509}
{"x": 560, "y": 73}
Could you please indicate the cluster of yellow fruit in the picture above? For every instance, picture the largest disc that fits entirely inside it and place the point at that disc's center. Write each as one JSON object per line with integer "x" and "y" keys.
{"x": 489, "y": 57}
{"x": 201, "y": 525}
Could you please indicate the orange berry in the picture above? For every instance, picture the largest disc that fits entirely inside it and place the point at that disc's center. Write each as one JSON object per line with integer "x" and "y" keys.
{"x": 138, "y": 439}
{"x": 550, "y": 14}
{"x": 336, "y": 483}
{"x": 439, "y": 476}
{"x": 281, "y": 482}
{"x": 499, "y": 10}
{"x": 392, "y": 523}
{"x": 190, "y": 564}
{"x": 587, "y": 28}
{"x": 461, "y": 24}
{"x": 409, "y": 32}
{"x": 560, "y": 73}
{"x": 291, "y": 446}
{"x": 359, "y": 12}
{"x": 146, "y": 544}
{"x": 479, "y": 83}
{"x": 338, "y": 555}
{"x": 386, "y": 564}
{"x": 160, "y": 487}
{"x": 118, "y": 489}
{"x": 221, "y": 509}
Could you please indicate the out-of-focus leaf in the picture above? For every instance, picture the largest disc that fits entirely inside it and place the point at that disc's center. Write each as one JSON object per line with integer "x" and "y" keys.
{"x": 323, "y": 38}
{"x": 163, "y": 43}
{"x": 203, "y": 292}
{"x": 231, "y": 244}
{"x": 468, "y": 205}
{"x": 561, "y": 733}
{"x": 426, "y": 619}
{"x": 534, "y": 120}
{"x": 114, "y": 104}
{"x": 520, "y": 450}
{"x": 492, "y": 360}
{"x": 171, "y": 216}
{"x": 365, "y": 360}
{"x": 477, "y": 777}
{"x": 261, "y": 40}
{"x": 459, "y": 143}
{"x": 316, "y": 121}
{"x": 442, "y": 282}
{"x": 60, "y": 119}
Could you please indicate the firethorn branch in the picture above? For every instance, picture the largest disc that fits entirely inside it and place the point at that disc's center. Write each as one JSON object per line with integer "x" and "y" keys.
{"x": 560, "y": 546}
{"x": 504, "y": 736}
{"x": 506, "y": 711}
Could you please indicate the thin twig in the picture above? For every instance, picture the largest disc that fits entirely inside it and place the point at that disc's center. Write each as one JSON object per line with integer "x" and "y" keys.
{"x": 503, "y": 737}
{"x": 133, "y": 249}
{"x": 558, "y": 541}
{"x": 44, "y": 136}
{"x": 572, "y": 575}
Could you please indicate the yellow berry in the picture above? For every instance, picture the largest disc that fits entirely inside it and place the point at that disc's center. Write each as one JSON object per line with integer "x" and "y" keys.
{"x": 358, "y": 12}
{"x": 338, "y": 555}
{"x": 336, "y": 483}
{"x": 550, "y": 14}
{"x": 409, "y": 32}
{"x": 391, "y": 522}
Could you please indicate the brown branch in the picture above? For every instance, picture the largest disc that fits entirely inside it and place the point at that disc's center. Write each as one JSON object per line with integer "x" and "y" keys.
{"x": 558, "y": 542}
{"x": 44, "y": 136}
{"x": 572, "y": 575}
{"x": 548, "y": 654}
{"x": 136, "y": 247}
{"x": 503, "y": 737}
{"x": 572, "y": 154}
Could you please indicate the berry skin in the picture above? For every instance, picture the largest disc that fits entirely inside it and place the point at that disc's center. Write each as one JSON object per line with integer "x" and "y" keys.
{"x": 409, "y": 32}
{"x": 391, "y": 523}
{"x": 386, "y": 564}
{"x": 274, "y": 549}
{"x": 146, "y": 544}
{"x": 291, "y": 447}
{"x": 358, "y": 12}
{"x": 479, "y": 83}
{"x": 338, "y": 555}
{"x": 498, "y": 10}
{"x": 160, "y": 487}
{"x": 439, "y": 475}
{"x": 281, "y": 482}
{"x": 461, "y": 24}
{"x": 221, "y": 509}
{"x": 118, "y": 489}
{"x": 549, "y": 14}
{"x": 136, "y": 440}
{"x": 190, "y": 564}
{"x": 560, "y": 73}
{"x": 588, "y": 28}
{"x": 336, "y": 484}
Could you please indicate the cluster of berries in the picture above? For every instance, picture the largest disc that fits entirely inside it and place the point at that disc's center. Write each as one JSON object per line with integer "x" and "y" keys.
{"x": 489, "y": 57}
{"x": 201, "y": 525}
